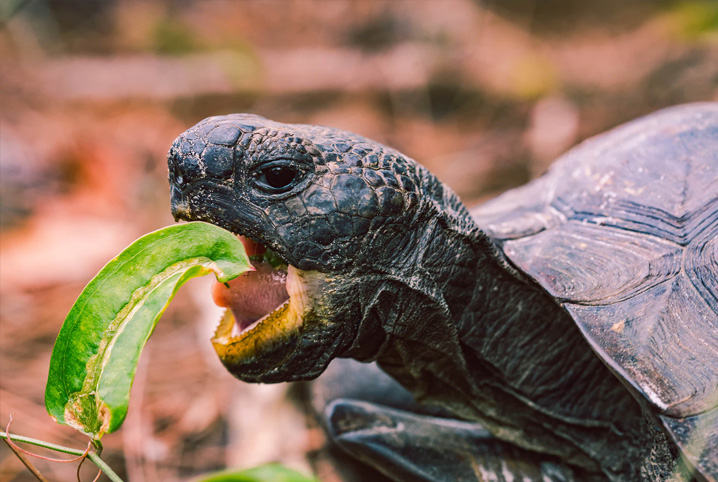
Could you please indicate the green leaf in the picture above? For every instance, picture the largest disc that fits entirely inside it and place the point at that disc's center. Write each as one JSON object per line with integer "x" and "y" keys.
{"x": 264, "y": 473}
{"x": 95, "y": 357}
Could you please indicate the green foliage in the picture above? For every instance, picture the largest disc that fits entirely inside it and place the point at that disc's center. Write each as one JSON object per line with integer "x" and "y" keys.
{"x": 264, "y": 473}
{"x": 95, "y": 356}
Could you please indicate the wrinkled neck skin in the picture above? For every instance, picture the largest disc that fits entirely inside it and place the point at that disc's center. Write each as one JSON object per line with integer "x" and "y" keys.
{"x": 460, "y": 328}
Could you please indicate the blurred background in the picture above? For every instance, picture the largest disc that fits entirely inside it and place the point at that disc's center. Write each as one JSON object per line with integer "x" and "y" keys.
{"x": 93, "y": 92}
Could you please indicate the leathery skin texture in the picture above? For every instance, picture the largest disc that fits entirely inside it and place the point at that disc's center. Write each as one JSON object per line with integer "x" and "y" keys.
{"x": 408, "y": 279}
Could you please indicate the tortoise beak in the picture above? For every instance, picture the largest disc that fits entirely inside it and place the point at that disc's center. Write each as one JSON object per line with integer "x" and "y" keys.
{"x": 179, "y": 205}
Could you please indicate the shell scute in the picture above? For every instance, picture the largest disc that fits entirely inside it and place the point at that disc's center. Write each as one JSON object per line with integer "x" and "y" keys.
{"x": 623, "y": 232}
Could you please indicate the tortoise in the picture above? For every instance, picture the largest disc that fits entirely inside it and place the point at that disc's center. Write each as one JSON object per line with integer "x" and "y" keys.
{"x": 566, "y": 330}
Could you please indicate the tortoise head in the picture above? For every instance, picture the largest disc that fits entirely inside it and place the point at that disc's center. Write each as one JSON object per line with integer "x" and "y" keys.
{"x": 347, "y": 215}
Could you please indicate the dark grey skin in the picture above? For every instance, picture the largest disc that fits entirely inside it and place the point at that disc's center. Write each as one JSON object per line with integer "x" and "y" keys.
{"x": 410, "y": 281}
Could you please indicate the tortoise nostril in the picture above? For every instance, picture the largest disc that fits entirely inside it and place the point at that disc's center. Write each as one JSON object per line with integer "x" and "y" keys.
{"x": 187, "y": 169}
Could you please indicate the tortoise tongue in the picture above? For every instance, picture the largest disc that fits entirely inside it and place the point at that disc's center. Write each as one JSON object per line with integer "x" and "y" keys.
{"x": 255, "y": 293}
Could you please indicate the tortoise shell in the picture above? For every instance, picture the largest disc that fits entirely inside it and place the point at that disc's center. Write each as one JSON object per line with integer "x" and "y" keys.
{"x": 623, "y": 232}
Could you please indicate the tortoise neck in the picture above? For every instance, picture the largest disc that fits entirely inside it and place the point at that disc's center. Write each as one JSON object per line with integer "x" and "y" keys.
{"x": 490, "y": 345}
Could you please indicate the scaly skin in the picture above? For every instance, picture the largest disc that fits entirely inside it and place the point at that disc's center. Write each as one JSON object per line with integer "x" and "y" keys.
{"x": 406, "y": 278}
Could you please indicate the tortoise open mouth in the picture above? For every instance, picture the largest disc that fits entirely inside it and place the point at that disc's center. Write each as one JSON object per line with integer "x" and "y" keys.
{"x": 265, "y": 307}
{"x": 256, "y": 294}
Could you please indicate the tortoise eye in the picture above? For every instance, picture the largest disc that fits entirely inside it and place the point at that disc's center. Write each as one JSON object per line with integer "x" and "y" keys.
{"x": 277, "y": 178}
{"x": 280, "y": 177}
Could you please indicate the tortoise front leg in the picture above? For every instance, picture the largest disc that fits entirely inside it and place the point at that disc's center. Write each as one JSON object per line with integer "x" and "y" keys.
{"x": 370, "y": 417}
{"x": 411, "y": 447}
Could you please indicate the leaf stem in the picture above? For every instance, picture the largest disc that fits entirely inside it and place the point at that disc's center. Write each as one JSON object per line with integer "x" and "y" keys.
{"x": 26, "y": 462}
{"x": 66, "y": 450}
{"x": 104, "y": 467}
{"x": 42, "y": 443}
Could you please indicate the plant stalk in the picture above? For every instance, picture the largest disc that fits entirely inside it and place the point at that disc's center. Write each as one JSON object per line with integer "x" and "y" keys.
{"x": 28, "y": 465}
{"x": 93, "y": 456}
